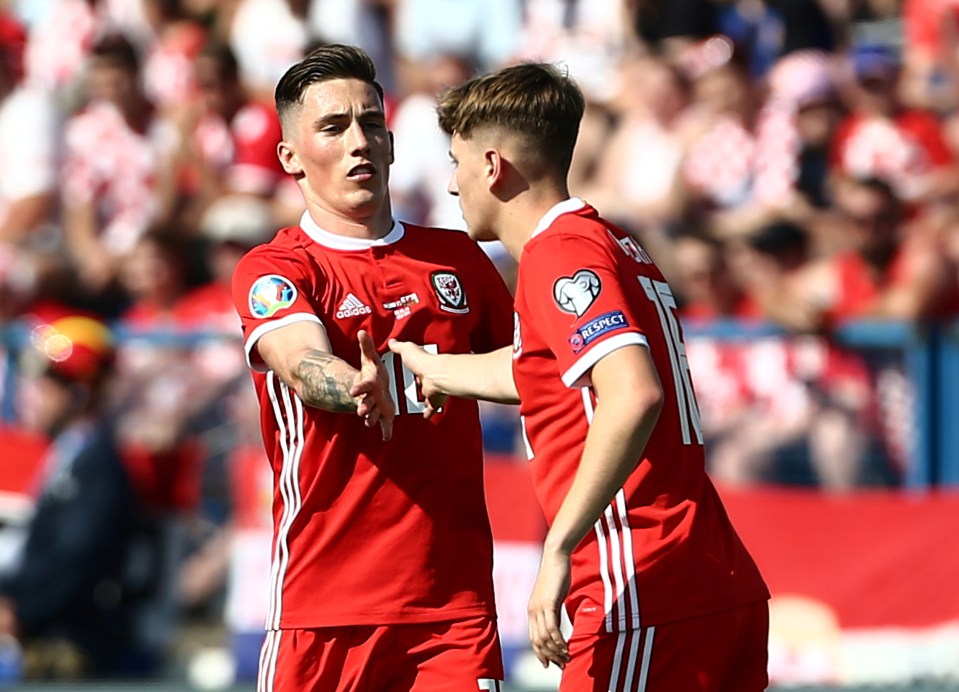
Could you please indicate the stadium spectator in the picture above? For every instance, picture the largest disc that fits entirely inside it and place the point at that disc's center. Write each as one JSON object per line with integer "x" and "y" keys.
{"x": 883, "y": 138}
{"x": 159, "y": 389}
{"x": 616, "y": 457}
{"x": 485, "y": 31}
{"x": 418, "y": 177}
{"x": 86, "y": 583}
{"x": 891, "y": 269}
{"x": 772, "y": 29}
{"x": 364, "y": 23}
{"x": 28, "y": 144}
{"x": 266, "y": 36}
{"x": 29, "y": 148}
{"x": 796, "y": 125}
{"x": 110, "y": 170}
{"x": 588, "y": 38}
{"x": 636, "y": 181}
{"x": 60, "y": 44}
{"x": 349, "y": 272}
{"x": 176, "y": 39}
{"x": 719, "y": 168}
{"x": 227, "y": 139}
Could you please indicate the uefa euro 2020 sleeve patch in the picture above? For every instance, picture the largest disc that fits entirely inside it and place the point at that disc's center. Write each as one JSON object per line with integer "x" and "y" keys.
{"x": 270, "y": 294}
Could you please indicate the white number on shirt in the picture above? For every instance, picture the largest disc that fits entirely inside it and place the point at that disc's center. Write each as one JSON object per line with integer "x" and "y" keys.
{"x": 662, "y": 297}
{"x": 412, "y": 401}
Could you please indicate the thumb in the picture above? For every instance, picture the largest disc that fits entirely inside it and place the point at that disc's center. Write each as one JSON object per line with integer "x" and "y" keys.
{"x": 399, "y": 347}
{"x": 367, "y": 347}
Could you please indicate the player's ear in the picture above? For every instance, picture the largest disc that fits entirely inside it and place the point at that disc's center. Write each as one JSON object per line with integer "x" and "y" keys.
{"x": 288, "y": 159}
{"x": 392, "y": 150}
{"x": 494, "y": 167}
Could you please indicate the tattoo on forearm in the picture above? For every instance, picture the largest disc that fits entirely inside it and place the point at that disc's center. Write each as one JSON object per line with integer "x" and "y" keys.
{"x": 321, "y": 375}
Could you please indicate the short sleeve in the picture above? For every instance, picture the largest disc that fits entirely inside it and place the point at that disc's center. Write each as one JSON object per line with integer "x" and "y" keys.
{"x": 271, "y": 289}
{"x": 574, "y": 296}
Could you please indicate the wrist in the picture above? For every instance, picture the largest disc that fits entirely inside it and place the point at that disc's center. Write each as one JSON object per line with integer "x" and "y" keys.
{"x": 558, "y": 545}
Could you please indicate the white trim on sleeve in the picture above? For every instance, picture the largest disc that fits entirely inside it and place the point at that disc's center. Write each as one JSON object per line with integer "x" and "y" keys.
{"x": 268, "y": 327}
{"x": 578, "y": 375}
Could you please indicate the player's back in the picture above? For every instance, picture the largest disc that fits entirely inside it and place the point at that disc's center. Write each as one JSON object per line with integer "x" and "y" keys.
{"x": 665, "y": 549}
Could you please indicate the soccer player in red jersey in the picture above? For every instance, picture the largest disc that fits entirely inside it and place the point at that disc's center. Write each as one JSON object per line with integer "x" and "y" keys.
{"x": 382, "y": 550}
{"x": 662, "y": 593}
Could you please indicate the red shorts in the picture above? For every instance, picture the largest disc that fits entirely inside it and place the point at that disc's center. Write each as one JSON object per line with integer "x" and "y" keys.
{"x": 450, "y": 656}
{"x": 719, "y": 652}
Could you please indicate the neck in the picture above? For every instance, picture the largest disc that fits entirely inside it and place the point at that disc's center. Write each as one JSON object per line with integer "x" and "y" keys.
{"x": 523, "y": 212}
{"x": 369, "y": 227}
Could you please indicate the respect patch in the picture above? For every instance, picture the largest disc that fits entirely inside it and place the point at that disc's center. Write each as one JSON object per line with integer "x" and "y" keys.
{"x": 595, "y": 328}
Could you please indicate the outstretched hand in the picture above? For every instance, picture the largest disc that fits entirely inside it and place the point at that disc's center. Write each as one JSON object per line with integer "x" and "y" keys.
{"x": 372, "y": 388}
{"x": 421, "y": 363}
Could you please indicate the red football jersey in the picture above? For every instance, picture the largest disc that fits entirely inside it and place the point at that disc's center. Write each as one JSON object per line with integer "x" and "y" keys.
{"x": 366, "y": 531}
{"x": 664, "y": 549}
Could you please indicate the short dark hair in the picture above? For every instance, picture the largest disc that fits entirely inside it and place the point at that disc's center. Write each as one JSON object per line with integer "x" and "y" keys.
{"x": 536, "y": 101}
{"x": 332, "y": 61}
{"x": 223, "y": 57}
{"x": 117, "y": 51}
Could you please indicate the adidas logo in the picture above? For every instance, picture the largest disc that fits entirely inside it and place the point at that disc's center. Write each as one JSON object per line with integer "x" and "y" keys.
{"x": 351, "y": 307}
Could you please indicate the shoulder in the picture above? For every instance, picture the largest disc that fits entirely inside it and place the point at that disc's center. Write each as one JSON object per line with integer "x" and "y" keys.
{"x": 287, "y": 249}
{"x": 571, "y": 233}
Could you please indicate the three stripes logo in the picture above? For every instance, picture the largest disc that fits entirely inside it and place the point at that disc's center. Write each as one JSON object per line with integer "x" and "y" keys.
{"x": 352, "y": 307}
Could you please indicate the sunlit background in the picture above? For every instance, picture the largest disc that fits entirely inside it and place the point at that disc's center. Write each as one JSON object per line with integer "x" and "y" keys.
{"x": 790, "y": 164}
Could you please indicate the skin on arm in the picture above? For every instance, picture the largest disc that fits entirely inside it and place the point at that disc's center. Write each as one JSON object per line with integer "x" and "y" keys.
{"x": 96, "y": 266}
{"x": 24, "y": 215}
{"x": 299, "y": 354}
{"x": 486, "y": 376}
{"x": 629, "y": 398}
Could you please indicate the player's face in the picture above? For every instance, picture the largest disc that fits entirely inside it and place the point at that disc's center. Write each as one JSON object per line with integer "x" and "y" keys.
{"x": 341, "y": 149}
{"x": 468, "y": 183}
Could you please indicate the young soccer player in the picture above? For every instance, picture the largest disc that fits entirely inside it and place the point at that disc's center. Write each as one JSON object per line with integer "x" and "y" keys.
{"x": 382, "y": 551}
{"x": 662, "y": 594}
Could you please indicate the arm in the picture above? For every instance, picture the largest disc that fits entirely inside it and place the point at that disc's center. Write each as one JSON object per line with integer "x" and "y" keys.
{"x": 629, "y": 398}
{"x": 487, "y": 376}
{"x": 300, "y": 355}
{"x": 95, "y": 264}
{"x": 24, "y": 215}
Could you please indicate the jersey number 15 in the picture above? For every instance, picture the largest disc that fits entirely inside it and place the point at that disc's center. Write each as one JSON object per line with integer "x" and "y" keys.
{"x": 661, "y": 296}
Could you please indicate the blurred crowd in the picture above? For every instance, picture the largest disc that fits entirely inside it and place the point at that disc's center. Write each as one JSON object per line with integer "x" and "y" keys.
{"x": 786, "y": 162}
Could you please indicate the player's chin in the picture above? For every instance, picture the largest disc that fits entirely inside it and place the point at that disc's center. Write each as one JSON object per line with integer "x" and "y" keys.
{"x": 479, "y": 233}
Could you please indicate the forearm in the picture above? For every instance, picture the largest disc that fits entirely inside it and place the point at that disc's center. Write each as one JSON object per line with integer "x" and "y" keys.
{"x": 24, "y": 216}
{"x": 487, "y": 376}
{"x": 613, "y": 447}
{"x": 324, "y": 381}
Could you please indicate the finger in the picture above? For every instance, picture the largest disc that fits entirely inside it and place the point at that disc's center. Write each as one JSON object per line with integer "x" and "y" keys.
{"x": 556, "y": 639}
{"x": 386, "y": 425}
{"x": 367, "y": 347}
{"x": 399, "y": 347}
{"x": 549, "y": 639}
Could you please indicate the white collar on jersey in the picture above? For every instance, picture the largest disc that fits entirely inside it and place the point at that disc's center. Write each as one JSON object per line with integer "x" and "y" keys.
{"x": 342, "y": 242}
{"x": 564, "y": 207}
